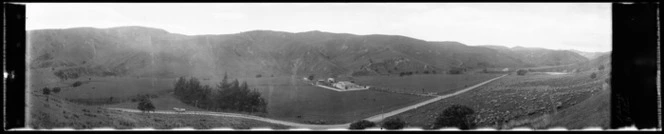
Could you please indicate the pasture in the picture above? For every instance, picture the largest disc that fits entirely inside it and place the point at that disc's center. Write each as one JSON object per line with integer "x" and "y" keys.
{"x": 117, "y": 87}
{"x": 440, "y": 84}
{"x": 291, "y": 98}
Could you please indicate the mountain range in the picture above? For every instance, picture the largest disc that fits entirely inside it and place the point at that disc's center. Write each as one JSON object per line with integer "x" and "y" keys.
{"x": 144, "y": 51}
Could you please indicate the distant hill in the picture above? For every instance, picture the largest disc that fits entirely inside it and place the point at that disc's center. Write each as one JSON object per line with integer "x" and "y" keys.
{"x": 143, "y": 51}
{"x": 540, "y": 56}
{"x": 589, "y": 55}
{"x": 603, "y": 60}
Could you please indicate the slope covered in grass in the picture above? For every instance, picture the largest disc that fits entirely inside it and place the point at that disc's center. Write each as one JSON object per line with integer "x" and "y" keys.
{"x": 58, "y": 113}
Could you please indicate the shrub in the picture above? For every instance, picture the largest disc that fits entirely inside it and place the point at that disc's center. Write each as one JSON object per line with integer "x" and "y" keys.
{"x": 593, "y": 76}
{"x": 77, "y": 83}
{"x": 56, "y": 89}
{"x": 363, "y": 124}
{"x": 456, "y": 71}
{"x": 455, "y": 116}
{"x": 394, "y": 123}
{"x": 311, "y": 77}
{"x": 521, "y": 72}
{"x": 145, "y": 104}
{"x": 46, "y": 91}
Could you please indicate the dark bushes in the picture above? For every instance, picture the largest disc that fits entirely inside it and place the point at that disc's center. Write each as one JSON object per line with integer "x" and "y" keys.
{"x": 394, "y": 123}
{"x": 46, "y": 91}
{"x": 456, "y": 71}
{"x": 77, "y": 83}
{"x": 363, "y": 124}
{"x": 145, "y": 104}
{"x": 458, "y": 116}
{"x": 56, "y": 90}
{"x": 521, "y": 72}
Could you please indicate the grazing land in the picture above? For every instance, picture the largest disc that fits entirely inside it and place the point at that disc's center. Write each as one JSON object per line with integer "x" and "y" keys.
{"x": 505, "y": 102}
{"x": 56, "y": 112}
{"x": 292, "y": 99}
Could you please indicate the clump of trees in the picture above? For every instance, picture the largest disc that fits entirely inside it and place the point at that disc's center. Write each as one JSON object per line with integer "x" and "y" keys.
{"x": 601, "y": 67}
{"x": 46, "y": 92}
{"x": 56, "y": 90}
{"x": 456, "y": 71}
{"x": 593, "y": 75}
{"x": 311, "y": 77}
{"x": 363, "y": 124}
{"x": 521, "y": 72}
{"x": 394, "y": 123}
{"x": 77, "y": 83}
{"x": 227, "y": 95}
{"x": 145, "y": 104}
{"x": 458, "y": 116}
{"x": 405, "y": 73}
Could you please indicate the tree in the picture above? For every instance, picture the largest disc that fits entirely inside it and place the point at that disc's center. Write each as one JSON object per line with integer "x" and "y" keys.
{"x": 145, "y": 104}
{"x": 46, "y": 91}
{"x": 56, "y": 89}
{"x": 456, "y": 70}
{"x": 485, "y": 71}
{"x": 363, "y": 124}
{"x": 76, "y": 84}
{"x": 259, "y": 75}
{"x": 521, "y": 72}
{"x": 456, "y": 116}
{"x": 394, "y": 123}
{"x": 311, "y": 77}
{"x": 593, "y": 76}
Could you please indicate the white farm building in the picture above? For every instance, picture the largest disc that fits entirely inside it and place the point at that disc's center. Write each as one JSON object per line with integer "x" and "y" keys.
{"x": 346, "y": 85}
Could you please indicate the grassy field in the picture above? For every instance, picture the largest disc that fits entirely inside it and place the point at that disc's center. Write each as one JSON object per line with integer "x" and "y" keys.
{"x": 58, "y": 113}
{"x": 516, "y": 98}
{"x": 440, "y": 84}
{"x": 290, "y": 97}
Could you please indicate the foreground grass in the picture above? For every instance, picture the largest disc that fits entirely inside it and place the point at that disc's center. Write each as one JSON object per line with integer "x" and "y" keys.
{"x": 520, "y": 101}
{"x": 58, "y": 113}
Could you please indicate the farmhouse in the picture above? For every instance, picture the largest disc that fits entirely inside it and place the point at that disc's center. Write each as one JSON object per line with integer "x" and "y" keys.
{"x": 346, "y": 85}
{"x": 330, "y": 80}
{"x": 506, "y": 69}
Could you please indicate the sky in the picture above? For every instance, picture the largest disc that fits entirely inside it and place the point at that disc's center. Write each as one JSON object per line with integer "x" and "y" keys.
{"x": 579, "y": 26}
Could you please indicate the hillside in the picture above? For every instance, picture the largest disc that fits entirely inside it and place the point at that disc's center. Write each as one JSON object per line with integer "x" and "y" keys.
{"x": 55, "y": 112}
{"x": 603, "y": 60}
{"x": 534, "y": 57}
{"x": 142, "y": 51}
{"x": 589, "y": 55}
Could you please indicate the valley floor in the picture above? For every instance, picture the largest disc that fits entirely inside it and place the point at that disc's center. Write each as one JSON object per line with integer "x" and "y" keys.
{"x": 535, "y": 100}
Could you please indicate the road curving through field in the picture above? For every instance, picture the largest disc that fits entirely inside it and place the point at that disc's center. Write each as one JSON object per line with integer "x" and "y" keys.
{"x": 375, "y": 118}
